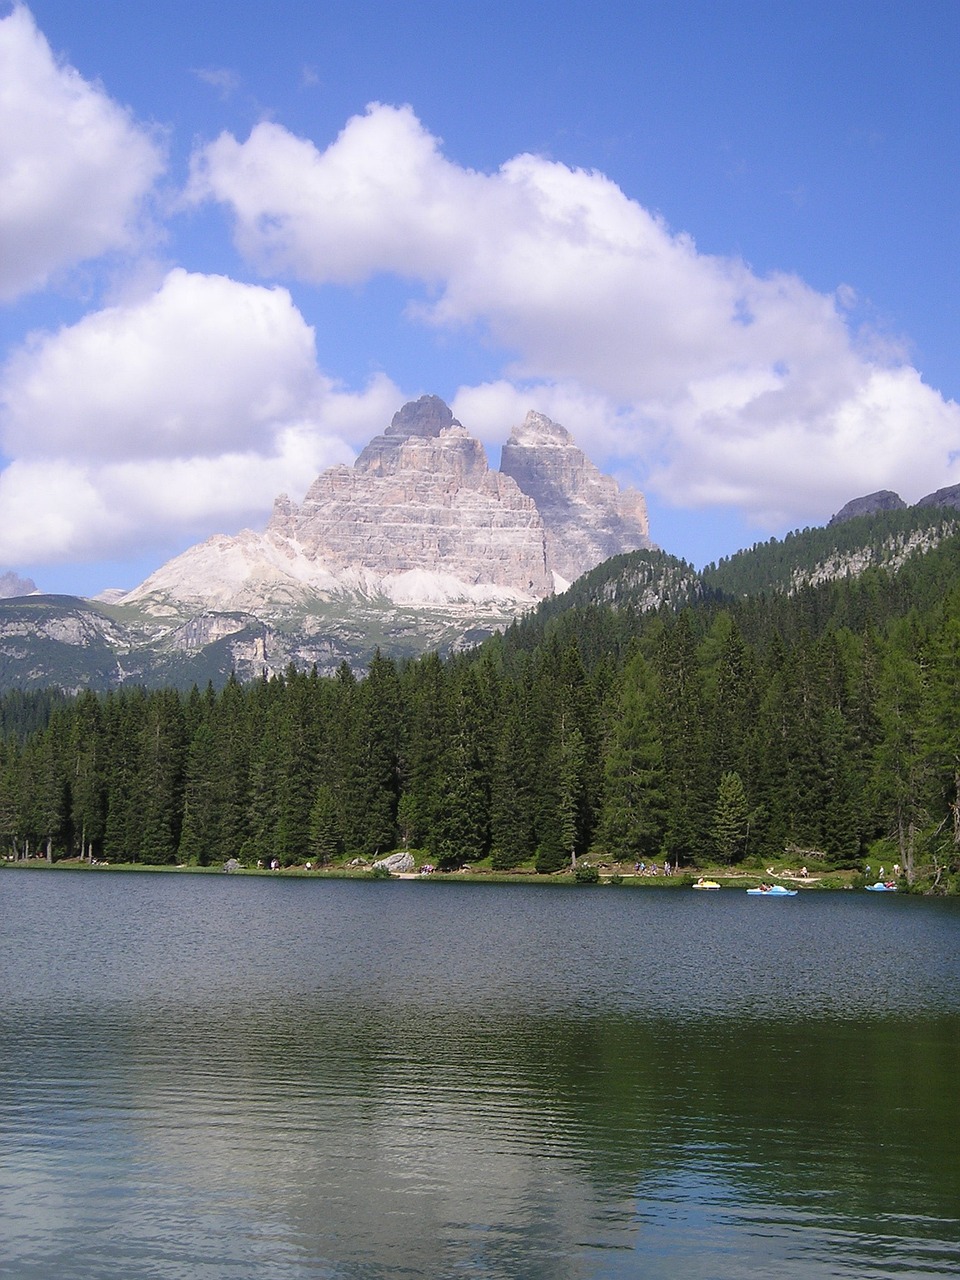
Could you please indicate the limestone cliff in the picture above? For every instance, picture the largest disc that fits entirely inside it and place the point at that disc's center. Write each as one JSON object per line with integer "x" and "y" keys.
{"x": 421, "y": 497}
{"x": 587, "y": 518}
{"x": 419, "y": 520}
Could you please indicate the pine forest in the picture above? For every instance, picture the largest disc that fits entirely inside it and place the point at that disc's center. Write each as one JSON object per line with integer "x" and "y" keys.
{"x": 727, "y": 729}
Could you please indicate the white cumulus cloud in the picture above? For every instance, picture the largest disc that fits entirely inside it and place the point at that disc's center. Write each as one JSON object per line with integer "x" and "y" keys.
{"x": 177, "y": 414}
{"x": 74, "y": 166}
{"x": 201, "y": 362}
{"x": 715, "y": 384}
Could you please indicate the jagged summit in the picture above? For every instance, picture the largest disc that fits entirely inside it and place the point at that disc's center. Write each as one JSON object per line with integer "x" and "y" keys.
{"x": 420, "y": 518}
{"x": 587, "y": 517}
{"x": 12, "y": 585}
{"x": 537, "y": 430}
{"x": 425, "y": 418}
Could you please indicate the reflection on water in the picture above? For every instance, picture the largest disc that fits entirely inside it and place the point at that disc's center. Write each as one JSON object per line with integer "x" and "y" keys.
{"x": 225, "y": 1077}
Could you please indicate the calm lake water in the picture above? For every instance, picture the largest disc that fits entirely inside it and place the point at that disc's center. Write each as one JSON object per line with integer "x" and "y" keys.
{"x": 216, "y": 1077}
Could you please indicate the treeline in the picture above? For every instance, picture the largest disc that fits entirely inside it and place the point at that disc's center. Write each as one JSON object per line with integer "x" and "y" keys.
{"x": 826, "y": 722}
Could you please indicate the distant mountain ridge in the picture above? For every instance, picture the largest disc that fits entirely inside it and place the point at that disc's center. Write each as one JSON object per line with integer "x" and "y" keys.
{"x": 421, "y": 546}
{"x": 418, "y": 545}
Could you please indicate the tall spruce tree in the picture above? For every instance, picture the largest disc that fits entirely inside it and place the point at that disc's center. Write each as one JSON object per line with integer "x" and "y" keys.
{"x": 633, "y": 818}
{"x": 731, "y": 818}
{"x": 513, "y": 781}
{"x": 159, "y": 782}
{"x": 201, "y": 815}
{"x": 680, "y": 712}
{"x": 901, "y": 775}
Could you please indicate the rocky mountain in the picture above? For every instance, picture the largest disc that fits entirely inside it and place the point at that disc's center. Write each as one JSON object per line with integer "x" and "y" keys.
{"x": 11, "y": 585}
{"x": 949, "y": 497}
{"x": 586, "y": 517}
{"x": 887, "y": 500}
{"x": 882, "y": 539}
{"x": 882, "y": 500}
{"x": 420, "y": 544}
{"x": 419, "y": 520}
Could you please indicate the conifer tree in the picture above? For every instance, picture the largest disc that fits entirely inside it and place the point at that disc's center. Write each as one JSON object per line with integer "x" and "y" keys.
{"x": 198, "y": 836}
{"x": 87, "y": 756}
{"x": 231, "y": 726}
{"x": 124, "y": 714}
{"x": 941, "y": 730}
{"x": 512, "y": 791}
{"x": 296, "y": 776}
{"x": 159, "y": 784}
{"x": 680, "y": 712}
{"x": 426, "y": 692}
{"x": 326, "y": 838}
{"x": 370, "y": 786}
{"x": 11, "y": 792}
{"x": 901, "y": 762}
{"x": 731, "y": 818}
{"x": 461, "y": 830}
{"x": 633, "y": 819}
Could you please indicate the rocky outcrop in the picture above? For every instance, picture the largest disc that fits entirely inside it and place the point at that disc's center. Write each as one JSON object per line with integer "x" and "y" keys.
{"x": 949, "y": 497}
{"x": 419, "y": 545}
{"x": 397, "y": 863}
{"x": 882, "y": 500}
{"x": 587, "y": 518}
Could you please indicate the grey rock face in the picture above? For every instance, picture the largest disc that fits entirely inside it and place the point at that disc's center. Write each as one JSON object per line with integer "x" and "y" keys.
{"x": 12, "y": 585}
{"x": 949, "y": 497}
{"x": 882, "y": 500}
{"x": 397, "y": 863}
{"x": 425, "y": 417}
{"x": 428, "y": 501}
{"x": 587, "y": 518}
{"x": 419, "y": 544}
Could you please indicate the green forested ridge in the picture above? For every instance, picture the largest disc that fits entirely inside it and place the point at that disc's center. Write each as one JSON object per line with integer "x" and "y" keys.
{"x": 781, "y": 564}
{"x": 726, "y": 729}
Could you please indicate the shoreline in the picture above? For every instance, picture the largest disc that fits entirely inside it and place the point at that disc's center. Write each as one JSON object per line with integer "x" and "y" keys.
{"x": 682, "y": 879}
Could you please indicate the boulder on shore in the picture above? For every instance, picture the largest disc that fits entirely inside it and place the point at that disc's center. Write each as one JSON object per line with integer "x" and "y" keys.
{"x": 397, "y": 863}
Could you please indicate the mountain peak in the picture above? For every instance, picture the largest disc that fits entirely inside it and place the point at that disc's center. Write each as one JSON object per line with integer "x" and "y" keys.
{"x": 426, "y": 417}
{"x": 537, "y": 430}
{"x": 422, "y": 419}
{"x": 870, "y": 504}
{"x": 587, "y": 518}
{"x": 420, "y": 521}
{"x": 949, "y": 497}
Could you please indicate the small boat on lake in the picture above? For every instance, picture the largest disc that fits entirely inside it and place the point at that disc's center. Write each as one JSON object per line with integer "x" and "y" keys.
{"x": 705, "y": 884}
{"x": 773, "y": 891}
{"x": 882, "y": 886}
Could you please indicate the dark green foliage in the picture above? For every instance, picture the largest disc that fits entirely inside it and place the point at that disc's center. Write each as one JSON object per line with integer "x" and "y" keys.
{"x": 633, "y": 818}
{"x": 587, "y": 874}
{"x": 512, "y": 829}
{"x": 731, "y": 818}
{"x": 326, "y": 837}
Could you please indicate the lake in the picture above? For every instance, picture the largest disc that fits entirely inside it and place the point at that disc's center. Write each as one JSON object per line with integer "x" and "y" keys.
{"x": 219, "y": 1077}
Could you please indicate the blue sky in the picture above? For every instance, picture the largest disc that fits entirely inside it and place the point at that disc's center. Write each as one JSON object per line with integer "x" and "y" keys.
{"x": 717, "y": 241}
